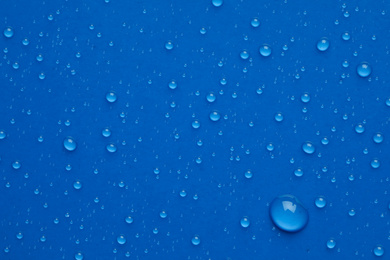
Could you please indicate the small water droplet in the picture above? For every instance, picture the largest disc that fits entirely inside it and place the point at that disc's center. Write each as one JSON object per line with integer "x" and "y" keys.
{"x": 265, "y": 50}
{"x": 215, "y": 116}
{"x": 70, "y": 144}
{"x": 111, "y": 148}
{"x": 308, "y": 148}
{"x": 121, "y": 239}
{"x": 217, "y": 3}
{"x": 359, "y": 128}
{"x": 195, "y": 240}
{"x": 320, "y": 202}
{"x": 111, "y": 97}
{"x": 169, "y": 45}
{"x": 331, "y": 243}
{"x": 379, "y": 251}
{"x": 255, "y": 22}
{"x": 378, "y": 138}
{"x": 363, "y": 69}
{"x": 245, "y": 222}
{"x": 8, "y": 32}
{"x": 323, "y": 44}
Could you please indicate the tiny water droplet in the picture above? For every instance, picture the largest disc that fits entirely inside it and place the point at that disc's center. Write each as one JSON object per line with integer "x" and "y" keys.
{"x": 265, "y": 50}
{"x": 364, "y": 69}
{"x": 308, "y": 148}
{"x": 323, "y": 44}
{"x": 70, "y": 144}
{"x": 245, "y": 222}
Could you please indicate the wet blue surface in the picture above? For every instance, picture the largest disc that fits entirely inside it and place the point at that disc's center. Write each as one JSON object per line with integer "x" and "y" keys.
{"x": 212, "y": 112}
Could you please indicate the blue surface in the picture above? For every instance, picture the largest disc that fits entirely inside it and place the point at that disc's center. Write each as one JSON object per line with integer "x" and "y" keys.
{"x": 61, "y": 204}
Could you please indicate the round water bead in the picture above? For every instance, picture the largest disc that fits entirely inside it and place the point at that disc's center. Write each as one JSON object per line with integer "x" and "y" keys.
{"x": 70, "y": 144}
{"x": 245, "y": 222}
{"x": 288, "y": 214}
{"x": 364, "y": 69}
{"x": 323, "y": 44}
{"x": 265, "y": 50}
{"x": 308, "y": 148}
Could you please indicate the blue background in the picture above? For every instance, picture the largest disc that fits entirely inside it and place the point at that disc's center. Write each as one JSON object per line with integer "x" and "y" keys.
{"x": 150, "y": 133}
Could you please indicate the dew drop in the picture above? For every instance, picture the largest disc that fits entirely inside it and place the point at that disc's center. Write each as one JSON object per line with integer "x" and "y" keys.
{"x": 77, "y": 185}
{"x": 106, "y": 132}
{"x": 308, "y": 148}
{"x": 359, "y": 128}
{"x": 323, "y": 44}
{"x": 346, "y": 36}
{"x": 320, "y": 202}
{"x": 255, "y": 22}
{"x": 244, "y": 55}
{"x": 217, "y": 3}
{"x": 215, "y": 116}
{"x": 8, "y": 32}
{"x": 121, "y": 239}
{"x": 279, "y": 117}
{"x": 111, "y": 97}
{"x": 70, "y": 144}
{"x": 195, "y": 240}
{"x": 331, "y": 243}
{"x": 248, "y": 174}
{"x": 375, "y": 163}
{"x": 288, "y": 214}
{"x": 379, "y": 251}
{"x": 78, "y": 256}
{"x": 211, "y": 97}
{"x": 245, "y": 222}
{"x": 378, "y": 138}
{"x": 172, "y": 84}
{"x": 363, "y": 69}
{"x": 111, "y": 148}
{"x": 169, "y": 45}
{"x": 298, "y": 172}
{"x": 265, "y": 50}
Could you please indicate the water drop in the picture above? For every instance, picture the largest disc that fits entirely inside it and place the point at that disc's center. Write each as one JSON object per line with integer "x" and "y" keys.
{"x": 211, "y": 97}
{"x": 78, "y": 256}
{"x": 129, "y": 220}
{"x": 288, "y": 214}
{"x": 215, "y": 116}
{"x": 111, "y": 97}
{"x": 320, "y": 202}
{"x": 121, "y": 239}
{"x": 248, "y": 174}
{"x": 77, "y": 185}
{"x": 106, "y": 132}
{"x": 245, "y": 222}
{"x": 2, "y": 134}
{"x": 195, "y": 240}
{"x": 163, "y": 214}
{"x": 379, "y": 251}
{"x": 8, "y": 32}
{"x": 346, "y": 36}
{"x": 279, "y": 117}
{"x": 323, "y": 44}
{"x": 363, "y": 69}
{"x": 305, "y": 98}
{"x": 378, "y": 138}
{"x": 359, "y": 128}
{"x": 375, "y": 163}
{"x": 217, "y": 3}
{"x": 111, "y": 148}
{"x": 308, "y": 148}
{"x": 169, "y": 45}
{"x": 244, "y": 55}
{"x": 196, "y": 124}
{"x": 255, "y": 22}
{"x": 331, "y": 243}
{"x": 70, "y": 144}
{"x": 265, "y": 50}
{"x": 298, "y": 172}
{"x": 172, "y": 84}
{"x": 19, "y": 235}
